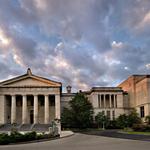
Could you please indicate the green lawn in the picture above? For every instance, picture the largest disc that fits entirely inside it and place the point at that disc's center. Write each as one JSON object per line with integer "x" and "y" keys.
{"x": 137, "y": 133}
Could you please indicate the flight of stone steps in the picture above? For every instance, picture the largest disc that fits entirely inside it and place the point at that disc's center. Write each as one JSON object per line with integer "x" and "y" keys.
{"x": 25, "y": 127}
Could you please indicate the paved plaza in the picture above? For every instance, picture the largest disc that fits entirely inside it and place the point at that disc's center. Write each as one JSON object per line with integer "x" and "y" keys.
{"x": 83, "y": 142}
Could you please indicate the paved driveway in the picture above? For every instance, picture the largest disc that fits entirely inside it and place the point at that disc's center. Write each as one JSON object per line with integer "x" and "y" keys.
{"x": 83, "y": 142}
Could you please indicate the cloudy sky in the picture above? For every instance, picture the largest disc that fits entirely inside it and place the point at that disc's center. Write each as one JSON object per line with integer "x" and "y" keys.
{"x": 83, "y": 43}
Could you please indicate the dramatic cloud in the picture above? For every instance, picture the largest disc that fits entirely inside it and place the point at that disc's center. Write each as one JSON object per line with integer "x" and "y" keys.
{"x": 81, "y": 43}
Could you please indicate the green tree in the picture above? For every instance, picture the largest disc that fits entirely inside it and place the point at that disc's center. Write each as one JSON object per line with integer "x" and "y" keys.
{"x": 101, "y": 120}
{"x": 133, "y": 118}
{"x": 122, "y": 121}
{"x": 66, "y": 118}
{"x": 147, "y": 119}
{"x": 80, "y": 113}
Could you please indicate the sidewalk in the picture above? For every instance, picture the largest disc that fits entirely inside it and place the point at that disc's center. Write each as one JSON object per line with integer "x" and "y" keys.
{"x": 66, "y": 134}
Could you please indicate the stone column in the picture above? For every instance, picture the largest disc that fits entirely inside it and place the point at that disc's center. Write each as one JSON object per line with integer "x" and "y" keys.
{"x": 35, "y": 109}
{"x": 3, "y": 110}
{"x": 24, "y": 109}
{"x": 46, "y": 109}
{"x": 100, "y": 101}
{"x": 13, "y": 109}
{"x": 114, "y": 100}
{"x": 104, "y": 101}
{"x": 110, "y": 105}
{"x": 57, "y": 111}
{"x": 57, "y": 106}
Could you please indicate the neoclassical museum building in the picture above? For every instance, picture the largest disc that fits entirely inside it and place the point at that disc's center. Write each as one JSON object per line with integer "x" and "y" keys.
{"x": 30, "y": 100}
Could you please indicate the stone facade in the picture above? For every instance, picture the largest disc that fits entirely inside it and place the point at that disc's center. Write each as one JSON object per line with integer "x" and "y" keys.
{"x": 30, "y": 99}
{"x": 113, "y": 101}
{"x": 107, "y": 99}
{"x": 138, "y": 88}
{"x": 133, "y": 93}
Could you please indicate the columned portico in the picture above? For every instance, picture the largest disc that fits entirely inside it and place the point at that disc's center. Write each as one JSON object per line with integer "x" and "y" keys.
{"x": 29, "y": 99}
{"x": 25, "y": 108}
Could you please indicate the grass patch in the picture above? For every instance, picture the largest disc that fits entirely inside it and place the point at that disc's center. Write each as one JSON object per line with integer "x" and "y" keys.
{"x": 135, "y": 132}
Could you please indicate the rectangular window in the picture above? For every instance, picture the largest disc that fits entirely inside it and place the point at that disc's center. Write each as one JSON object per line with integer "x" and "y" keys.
{"x": 102, "y": 101}
{"x": 113, "y": 114}
{"x": 142, "y": 113}
{"x": 99, "y": 105}
{"x": 115, "y": 101}
{"x": 112, "y": 101}
{"x": 103, "y": 112}
{"x": 108, "y": 114}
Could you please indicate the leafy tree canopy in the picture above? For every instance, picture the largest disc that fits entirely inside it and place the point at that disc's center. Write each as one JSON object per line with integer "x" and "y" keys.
{"x": 124, "y": 120}
{"x": 147, "y": 119}
{"x": 80, "y": 113}
{"x": 102, "y": 120}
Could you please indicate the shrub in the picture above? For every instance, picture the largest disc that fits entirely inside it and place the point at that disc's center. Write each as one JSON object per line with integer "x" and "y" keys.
{"x": 113, "y": 124}
{"x": 141, "y": 128}
{"x": 147, "y": 119}
{"x": 122, "y": 121}
{"x": 15, "y": 137}
{"x": 30, "y": 136}
{"x": 101, "y": 120}
{"x": 4, "y": 139}
{"x": 133, "y": 118}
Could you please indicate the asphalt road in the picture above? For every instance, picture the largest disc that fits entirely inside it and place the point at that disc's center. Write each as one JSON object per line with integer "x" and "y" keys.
{"x": 117, "y": 134}
{"x": 83, "y": 142}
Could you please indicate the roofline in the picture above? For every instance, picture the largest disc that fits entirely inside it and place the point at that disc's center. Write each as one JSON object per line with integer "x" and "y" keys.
{"x": 29, "y": 86}
{"x": 103, "y": 89}
{"x": 134, "y": 75}
{"x": 13, "y": 78}
{"x": 27, "y": 75}
{"x": 46, "y": 79}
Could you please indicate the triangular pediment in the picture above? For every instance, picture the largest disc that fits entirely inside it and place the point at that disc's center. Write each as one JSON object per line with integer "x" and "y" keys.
{"x": 30, "y": 80}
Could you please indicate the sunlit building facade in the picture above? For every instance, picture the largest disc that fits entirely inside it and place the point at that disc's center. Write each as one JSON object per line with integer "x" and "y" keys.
{"x": 30, "y": 99}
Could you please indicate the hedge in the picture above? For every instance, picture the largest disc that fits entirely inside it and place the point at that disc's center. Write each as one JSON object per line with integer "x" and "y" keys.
{"x": 141, "y": 128}
{"x": 15, "y": 137}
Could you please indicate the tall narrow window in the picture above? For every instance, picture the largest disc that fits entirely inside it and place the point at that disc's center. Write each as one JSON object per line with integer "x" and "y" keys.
{"x": 102, "y": 101}
{"x": 113, "y": 114}
{"x": 99, "y": 104}
{"x": 108, "y": 113}
{"x": 142, "y": 113}
{"x": 112, "y": 101}
{"x": 116, "y": 101}
{"x": 103, "y": 112}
